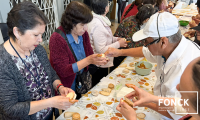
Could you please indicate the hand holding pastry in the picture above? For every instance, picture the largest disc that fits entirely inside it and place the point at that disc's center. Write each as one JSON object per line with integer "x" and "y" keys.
{"x": 113, "y": 52}
{"x": 192, "y": 23}
{"x": 127, "y": 111}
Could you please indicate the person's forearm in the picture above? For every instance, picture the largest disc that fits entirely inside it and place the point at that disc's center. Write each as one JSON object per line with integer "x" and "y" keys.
{"x": 133, "y": 52}
{"x": 155, "y": 107}
{"x": 83, "y": 63}
{"x": 36, "y": 106}
{"x": 56, "y": 83}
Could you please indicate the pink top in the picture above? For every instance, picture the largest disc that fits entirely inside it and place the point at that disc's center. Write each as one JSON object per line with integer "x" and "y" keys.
{"x": 101, "y": 37}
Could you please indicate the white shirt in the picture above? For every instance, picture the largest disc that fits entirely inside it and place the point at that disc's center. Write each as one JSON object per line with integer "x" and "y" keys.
{"x": 173, "y": 68}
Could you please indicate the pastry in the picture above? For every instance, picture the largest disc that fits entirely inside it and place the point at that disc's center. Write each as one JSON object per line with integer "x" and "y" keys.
{"x": 76, "y": 116}
{"x": 141, "y": 115}
{"x": 106, "y": 90}
{"x": 104, "y": 93}
{"x": 123, "y": 65}
{"x": 95, "y": 93}
{"x": 70, "y": 95}
{"x": 132, "y": 64}
{"x": 68, "y": 114}
{"x": 129, "y": 102}
{"x": 129, "y": 68}
{"x": 125, "y": 71}
{"x": 111, "y": 86}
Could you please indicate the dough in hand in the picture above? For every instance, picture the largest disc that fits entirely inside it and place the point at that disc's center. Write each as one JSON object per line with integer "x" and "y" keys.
{"x": 125, "y": 71}
{"x": 70, "y": 95}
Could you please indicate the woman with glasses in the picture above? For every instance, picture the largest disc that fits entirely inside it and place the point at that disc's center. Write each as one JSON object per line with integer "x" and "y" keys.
{"x": 27, "y": 80}
{"x": 101, "y": 37}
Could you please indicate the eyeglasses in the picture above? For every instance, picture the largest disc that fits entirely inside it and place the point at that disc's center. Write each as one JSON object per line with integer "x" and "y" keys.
{"x": 155, "y": 41}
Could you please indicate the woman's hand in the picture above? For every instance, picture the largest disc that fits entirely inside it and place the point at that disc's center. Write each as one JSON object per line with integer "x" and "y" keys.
{"x": 142, "y": 97}
{"x": 64, "y": 91}
{"x": 127, "y": 111}
{"x": 60, "y": 102}
{"x": 113, "y": 52}
{"x": 95, "y": 59}
{"x": 192, "y": 23}
{"x": 122, "y": 42}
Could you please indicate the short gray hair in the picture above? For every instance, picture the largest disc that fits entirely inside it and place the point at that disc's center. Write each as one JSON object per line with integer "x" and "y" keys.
{"x": 175, "y": 37}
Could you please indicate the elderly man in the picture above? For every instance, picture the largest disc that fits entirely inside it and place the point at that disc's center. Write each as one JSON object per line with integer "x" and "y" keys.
{"x": 165, "y": 46}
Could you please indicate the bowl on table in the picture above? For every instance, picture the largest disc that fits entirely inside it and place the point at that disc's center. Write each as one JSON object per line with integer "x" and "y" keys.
{"x": 143, "y": 68}
{"x": 183, "y": 23}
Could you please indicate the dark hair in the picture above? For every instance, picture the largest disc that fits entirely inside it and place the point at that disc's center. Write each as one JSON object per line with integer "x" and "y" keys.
{"x": 76, "y": 12}
{"x": 136, "y": 2}
{"x": 198, "y": 4}
{"x": 146, "y": 11}
{"x": 24, "y": 16}
{"x": 196, "y": 79}
{"x": 158, "y": 3}
{"x": 144, "y": 2}
{"x": 98, "y": 6}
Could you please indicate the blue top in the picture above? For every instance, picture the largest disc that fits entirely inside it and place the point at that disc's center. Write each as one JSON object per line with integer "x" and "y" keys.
{"x": 79, "y": 52}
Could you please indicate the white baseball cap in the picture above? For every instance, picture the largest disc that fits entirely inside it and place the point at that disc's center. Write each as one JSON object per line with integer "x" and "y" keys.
{"x": 167, "y": 25}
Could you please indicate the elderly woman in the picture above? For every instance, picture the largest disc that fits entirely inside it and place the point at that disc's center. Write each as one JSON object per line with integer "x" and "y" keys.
{"x": 131, "y": 25}
{"x": 74, "y": 26}
{"x": 101, "y": 37}
{"x": 189, "y": 82}
{"x": 27, "y": 79}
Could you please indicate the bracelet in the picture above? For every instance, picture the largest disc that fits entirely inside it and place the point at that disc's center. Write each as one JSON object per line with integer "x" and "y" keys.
{"x": 58, "y": 86}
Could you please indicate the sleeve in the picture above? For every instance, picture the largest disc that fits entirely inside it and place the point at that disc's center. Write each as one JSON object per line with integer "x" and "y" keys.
{"x": 75, "y": 67}
{"x": 115, "y": 39}
{"x": 59, "y": 56}
{"x": 100, "y": 40}
{"x": 9, "y": 104}
{"x": 148, "y": 55}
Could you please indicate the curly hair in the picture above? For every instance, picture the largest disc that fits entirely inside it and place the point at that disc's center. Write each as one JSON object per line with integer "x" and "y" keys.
{"x": 24, "y": 16}
{"x": 136, "y": 2}
{"x": 76, "y": 12}
{"x": 146, "y": 11}
{"x": 144, "y": 2}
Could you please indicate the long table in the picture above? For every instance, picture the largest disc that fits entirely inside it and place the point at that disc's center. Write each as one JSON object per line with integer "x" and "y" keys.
{"x": 104, "y": 107}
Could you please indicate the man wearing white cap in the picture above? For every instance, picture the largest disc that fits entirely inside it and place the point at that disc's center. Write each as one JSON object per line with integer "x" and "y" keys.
{"x": 165, "y": 46}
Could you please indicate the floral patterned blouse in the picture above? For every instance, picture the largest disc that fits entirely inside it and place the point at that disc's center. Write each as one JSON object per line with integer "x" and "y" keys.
{"x": 126, "y": 29}
{"x": 33, "y": 63}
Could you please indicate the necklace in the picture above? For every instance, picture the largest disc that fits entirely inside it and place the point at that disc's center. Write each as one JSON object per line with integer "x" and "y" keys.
{"x": 36, "y": 79}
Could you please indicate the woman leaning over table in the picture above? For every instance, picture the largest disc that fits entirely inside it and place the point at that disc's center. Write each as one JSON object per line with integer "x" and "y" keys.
{"x": 101, "y": 37}
{"x": 74, "y": 25}
{"x": 27, "y": 79}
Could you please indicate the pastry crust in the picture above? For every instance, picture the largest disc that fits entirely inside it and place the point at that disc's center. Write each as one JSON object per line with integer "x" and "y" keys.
{"x": 129, "y": 102}
{"x": 104, "y": 93}
{"x": 106, "y": 90}
{"x": 70, "y": 95}
{"x": 123, "y": 65}
{"x": 76, "y": 116}
{"x": 141, "y": 115}
{"x": 125, "y": 71}
{"x": 111, "y": 86}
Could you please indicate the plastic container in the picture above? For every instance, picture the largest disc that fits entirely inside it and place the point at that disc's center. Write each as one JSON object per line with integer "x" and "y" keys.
{"x": 141, "y": 71}
{"x": 183, "y": 23}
